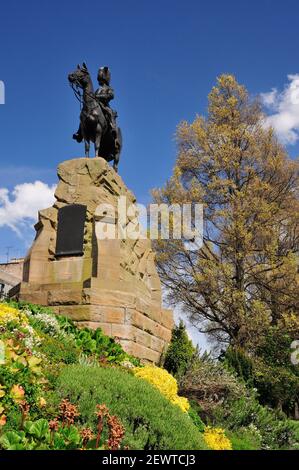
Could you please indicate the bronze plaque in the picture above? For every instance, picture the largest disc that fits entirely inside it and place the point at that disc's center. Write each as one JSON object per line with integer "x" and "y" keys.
{"x": 70, "y": 231}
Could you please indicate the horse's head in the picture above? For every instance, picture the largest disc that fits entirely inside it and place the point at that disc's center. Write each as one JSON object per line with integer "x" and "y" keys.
{"x": 80, "y": 77}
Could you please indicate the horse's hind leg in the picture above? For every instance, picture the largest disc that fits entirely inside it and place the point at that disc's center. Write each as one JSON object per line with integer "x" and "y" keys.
{"x": 87, "y": 147}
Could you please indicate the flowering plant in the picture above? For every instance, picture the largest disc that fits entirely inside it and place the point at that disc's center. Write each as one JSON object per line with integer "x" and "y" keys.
{"x": 165, "y": 382}
{"x": 10, "y": 314}
{"x": 60, "y": 432}
{"x": 216, "y": 439}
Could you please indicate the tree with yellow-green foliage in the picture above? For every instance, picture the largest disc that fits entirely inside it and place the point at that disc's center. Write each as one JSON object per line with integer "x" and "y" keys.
{"x": 244, "y": 278}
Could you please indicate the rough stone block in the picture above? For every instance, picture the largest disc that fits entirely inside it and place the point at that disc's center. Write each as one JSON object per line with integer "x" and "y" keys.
{"x": 167, "y": 318}
{"x": 123, "y": 331}
{"x": 163, "y": 333}
{"x": 65, "y": 297}
{"x": 108, "y": 314}
{"x": 142, "y": 337}
{"x": 74, "y": 312}
{"x": 141, "y": 321}
{"x": 35, "y": 297}
{"x": 157, "y": 344}
{"x": 145, "y": 306}
{"x": 111, "y": 297}
{"x": 138, "y": 350}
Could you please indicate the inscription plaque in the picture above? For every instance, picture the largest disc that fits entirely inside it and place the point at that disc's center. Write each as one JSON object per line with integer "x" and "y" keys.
{"x": 70, "y": 231}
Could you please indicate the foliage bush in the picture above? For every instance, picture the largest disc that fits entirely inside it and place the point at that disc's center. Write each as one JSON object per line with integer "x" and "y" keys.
{"x": 208, "y": 383}
{"x": 21, "y": 372}
{"x": 150, "y": 420}
{"x": 58, "y": 351}
{"x": 194, "y": 413}
{"x": 179, "y": 352}
{"x": 62, "y": 433}
{"x": 275, "y": 430}
{"x": 270, "y": 370}
{"x": 245, "y": 439}
{"x": 238, "y": 361}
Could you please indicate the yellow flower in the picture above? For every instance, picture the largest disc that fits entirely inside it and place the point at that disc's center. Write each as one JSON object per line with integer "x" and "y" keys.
{"x": 42, "y": 402}
{"x": 8, "y": 314}
{"x": 216, "y": 439}
{"x": 165, "y": 382}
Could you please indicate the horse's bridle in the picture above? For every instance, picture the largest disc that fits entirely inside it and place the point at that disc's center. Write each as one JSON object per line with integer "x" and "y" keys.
{"x": 75, "y": 87}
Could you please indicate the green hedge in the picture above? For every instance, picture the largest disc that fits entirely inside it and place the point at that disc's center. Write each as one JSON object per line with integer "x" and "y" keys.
{"x": 150, "y": 420}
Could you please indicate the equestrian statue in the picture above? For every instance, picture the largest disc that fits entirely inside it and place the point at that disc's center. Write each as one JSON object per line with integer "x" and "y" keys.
{"x": 97, "y": 119}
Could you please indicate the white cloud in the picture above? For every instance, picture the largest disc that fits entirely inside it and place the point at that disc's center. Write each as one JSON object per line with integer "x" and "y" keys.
{"x": 284, "y": 110}
{"x": 19, "y": 208}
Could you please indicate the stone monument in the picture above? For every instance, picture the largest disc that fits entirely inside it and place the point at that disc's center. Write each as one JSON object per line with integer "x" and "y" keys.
{"x": 108, "y": 283}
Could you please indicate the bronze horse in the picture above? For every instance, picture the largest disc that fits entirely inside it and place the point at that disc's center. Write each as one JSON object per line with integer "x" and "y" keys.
{"x": 93, "y": 122}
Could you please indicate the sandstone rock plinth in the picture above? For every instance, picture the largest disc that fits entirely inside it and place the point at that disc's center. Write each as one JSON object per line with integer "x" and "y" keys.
{"x": 114, "y": 285}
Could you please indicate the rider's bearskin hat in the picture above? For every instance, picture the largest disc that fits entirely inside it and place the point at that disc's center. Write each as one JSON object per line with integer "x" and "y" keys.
{"x": 104, "y": 75}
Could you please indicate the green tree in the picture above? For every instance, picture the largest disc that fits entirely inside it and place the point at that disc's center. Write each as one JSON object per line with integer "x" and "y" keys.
{"x": 180, "y": 352}
{"x": 244, "y": 278}
{"x": 270, "y": 371}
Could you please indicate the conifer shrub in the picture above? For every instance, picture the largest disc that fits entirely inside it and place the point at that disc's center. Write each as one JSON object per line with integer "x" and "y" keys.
{"x": 150, "y": 420}
{"x": 179, "y": 353}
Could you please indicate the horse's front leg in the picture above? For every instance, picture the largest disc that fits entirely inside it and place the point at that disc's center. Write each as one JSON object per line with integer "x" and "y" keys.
{"x": 97, "y": 142}
{"x": 87, "y": 147}
{"x": 115, "y": 162}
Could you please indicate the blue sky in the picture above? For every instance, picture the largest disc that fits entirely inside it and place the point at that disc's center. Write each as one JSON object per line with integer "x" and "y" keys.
{"x": 164, "y": 58}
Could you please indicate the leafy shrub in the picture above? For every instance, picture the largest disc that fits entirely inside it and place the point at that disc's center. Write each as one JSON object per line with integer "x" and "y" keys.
{"x": 194, "y": 413}
{"x": 89, "y": 342}
{"x": 20, "y": 372}
{"x": 270, "y": 370}
{"x": 241, "y": 363}
{"x": 33, "y": 308}
{"x": 208, "y": 383}
{"x": 275, "y": 377}
{"x": 164, "y": 382}
{"x": 275, "y": 429}
{"x": 58, "y": 351}
{"x": 150, "y": 420}
{"x": 62, "y": 433}
{"x": 36, "y": 435}
{"x": 179, "y": 353}
{"x": 277, "y": 386}
{"x": 245, "y": 439}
